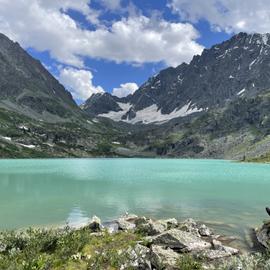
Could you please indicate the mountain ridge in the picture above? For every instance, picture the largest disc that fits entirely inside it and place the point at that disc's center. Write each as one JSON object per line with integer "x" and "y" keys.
{"x": 215, "y": 107}
{"x": 28, "y": 88}
{"x": 235, "y": 67}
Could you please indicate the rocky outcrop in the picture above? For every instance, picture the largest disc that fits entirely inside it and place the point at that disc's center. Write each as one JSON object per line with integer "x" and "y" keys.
{"x": 167, "y": 241}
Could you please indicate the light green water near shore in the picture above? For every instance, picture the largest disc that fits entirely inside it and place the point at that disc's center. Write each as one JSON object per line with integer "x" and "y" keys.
{"x": 42, "y": 192}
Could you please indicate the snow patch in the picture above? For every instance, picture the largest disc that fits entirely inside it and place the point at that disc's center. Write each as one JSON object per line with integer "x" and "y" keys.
{"x": 252, "y": 63}
{"x": 5, "y": 138}
{"x": 117, "y": 116}
{"x": 152, "y": 114}
{"x": 30, "y": 146}
{"x": 231, "y": 77}
{"x": 116, "y": 143}
{"x": 241, "y": 92}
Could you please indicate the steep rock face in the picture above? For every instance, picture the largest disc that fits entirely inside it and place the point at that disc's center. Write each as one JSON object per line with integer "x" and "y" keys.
{"x": 234, "y": 68}
{"x": 28, "y": 88}
{"x": 101, "y": 103}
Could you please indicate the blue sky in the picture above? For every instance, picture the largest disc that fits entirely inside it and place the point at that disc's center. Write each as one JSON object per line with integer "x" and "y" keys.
{"x": 93, "y": 46}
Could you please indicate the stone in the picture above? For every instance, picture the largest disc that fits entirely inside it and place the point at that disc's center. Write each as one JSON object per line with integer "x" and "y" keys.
{"x": 150, "y": 227}
{"x": 95, "y": 224}
{"x": 127, "y": 222}
{"x": 263, "y": 236}
{"x": 163, "y": 257}
{"x": 189, "y": 225}
{"x": 138, "y": 258}
{"x": 204, "y": 230}
{"x": 221, "y": 252}
{"x": 3, "y": 247}
{"x": 171, "y": 223}
{"x": 180, "y": 240}
{"x": 111, "y": 227}
{"x": 216, "y": 244}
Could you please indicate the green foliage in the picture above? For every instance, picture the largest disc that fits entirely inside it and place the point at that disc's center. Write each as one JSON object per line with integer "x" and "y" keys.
{"x": 37, "y": 249}
{"x": 104, "y": 148}
{"x": 187, "y": 262}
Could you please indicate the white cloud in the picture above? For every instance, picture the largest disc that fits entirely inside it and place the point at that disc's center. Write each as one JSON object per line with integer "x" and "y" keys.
{"x": 79, "y": 82}
{"x": 137, "y": 39}
{"x": 111, "y": 4}
{"x": 227, "y": 15}
{"x": 125, "y": 89}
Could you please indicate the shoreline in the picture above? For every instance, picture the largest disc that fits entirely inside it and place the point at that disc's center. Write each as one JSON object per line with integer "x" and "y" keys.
{"x": 143, "y": 242}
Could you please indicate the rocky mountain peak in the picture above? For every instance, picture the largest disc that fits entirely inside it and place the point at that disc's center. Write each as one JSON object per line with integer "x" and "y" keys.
{"x": 234, "y": 68}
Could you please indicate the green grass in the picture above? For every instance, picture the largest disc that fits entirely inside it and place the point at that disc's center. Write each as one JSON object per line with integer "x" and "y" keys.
{"x": 187, "y": 262}
{"x": 38, "y": 249}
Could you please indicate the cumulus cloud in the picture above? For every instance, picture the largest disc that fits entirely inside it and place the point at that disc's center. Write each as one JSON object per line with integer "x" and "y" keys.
{"x": 226, "y": 15}
{"x": 125, "y": 89}
{"x": 45, "y": 26}
{"x": 79, "y": 82}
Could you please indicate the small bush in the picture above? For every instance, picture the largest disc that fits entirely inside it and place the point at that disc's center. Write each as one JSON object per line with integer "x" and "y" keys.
{"x": 187, "y": 262}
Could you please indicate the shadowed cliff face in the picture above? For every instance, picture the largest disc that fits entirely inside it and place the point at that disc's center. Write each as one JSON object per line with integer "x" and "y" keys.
{"x": 28, "y": 88}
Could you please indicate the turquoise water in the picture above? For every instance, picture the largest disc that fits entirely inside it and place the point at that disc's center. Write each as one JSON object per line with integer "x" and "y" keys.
{"x": 49, "y": 192}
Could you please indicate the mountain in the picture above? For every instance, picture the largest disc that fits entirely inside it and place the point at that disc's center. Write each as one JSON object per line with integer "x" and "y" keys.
{"x": 215, "y": 107}
{"x": 237, "y": 67}
{"x": 38, "y": 116}
{"x": 28, "y": 88}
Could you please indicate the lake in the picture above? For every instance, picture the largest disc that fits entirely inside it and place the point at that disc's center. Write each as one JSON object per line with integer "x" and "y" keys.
{"x": 230, "y": 195}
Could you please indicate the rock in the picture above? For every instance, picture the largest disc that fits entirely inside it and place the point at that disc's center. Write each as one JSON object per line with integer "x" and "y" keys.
{"x": 141, "y": 220}
{"x": 130, "y": 217}
{"x": 150, "y": 227}
{"x": 216, "y": 244}
{"x": 111, "y": 227}
{"x": 180, "y": 240}
{"x": 125, "y": 225}
{"x": 189, "y": 225}
{"x": 3, "y": 247}
{"x": 263, "y": 236}
{"x": 138, "y": 257}
{"x": 221, "y": 252}
{"x": 170, "y": 223}
{"x": 204, "y": 230}
{"x": 127, "y": 222}
{"x": 163, "y": 258}
{"x": 95, "y": 224}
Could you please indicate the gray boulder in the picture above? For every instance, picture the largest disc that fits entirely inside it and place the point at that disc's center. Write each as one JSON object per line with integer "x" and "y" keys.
{"x": 213, "y": 254}
{"x": 150, "y": 227}
{"x": 204, "y": 230}
{"x": 163, "y": 258}
{"x": 138, "y": 258}
{"x": 189, "y": 225}
{"x": 180, "y": 240}
{"x": 127, "y": 222}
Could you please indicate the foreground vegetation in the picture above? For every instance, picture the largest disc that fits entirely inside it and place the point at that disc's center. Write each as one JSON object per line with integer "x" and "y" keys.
{"x": 96, "y": 248}
{"x": 64, "y": 249}
{"x": 38, "y": 249}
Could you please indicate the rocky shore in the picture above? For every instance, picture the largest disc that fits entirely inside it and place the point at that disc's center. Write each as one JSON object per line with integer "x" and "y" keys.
{"x": 131, "y": 242}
